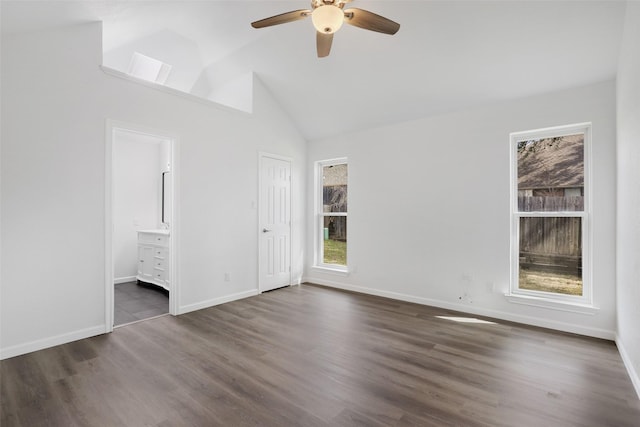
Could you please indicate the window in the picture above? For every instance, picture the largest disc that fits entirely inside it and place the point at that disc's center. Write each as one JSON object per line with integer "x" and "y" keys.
{"x": 147, "y": 68}
{"x": 550, "y": 214}
{"x": 331, "y": 208}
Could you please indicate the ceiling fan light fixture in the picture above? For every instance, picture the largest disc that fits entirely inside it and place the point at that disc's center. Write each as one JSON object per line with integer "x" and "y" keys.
{"x": 327, "y": 18}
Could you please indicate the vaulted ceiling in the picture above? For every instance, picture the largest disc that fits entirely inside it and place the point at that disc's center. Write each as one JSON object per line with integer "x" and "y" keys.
{"x": 447, "y": 56}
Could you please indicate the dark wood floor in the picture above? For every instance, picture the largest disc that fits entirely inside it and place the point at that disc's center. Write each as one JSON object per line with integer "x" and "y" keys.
{"x": 312, "y": 356}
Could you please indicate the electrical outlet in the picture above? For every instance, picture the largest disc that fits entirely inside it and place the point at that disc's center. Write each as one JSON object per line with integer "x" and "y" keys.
{"x": 465, "y": 297}
{"x": 227, "y": 277}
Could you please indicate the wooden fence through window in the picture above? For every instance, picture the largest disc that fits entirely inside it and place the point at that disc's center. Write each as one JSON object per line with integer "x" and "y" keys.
{"x": 550, "y": 204}
{"x": 551, "y": 243}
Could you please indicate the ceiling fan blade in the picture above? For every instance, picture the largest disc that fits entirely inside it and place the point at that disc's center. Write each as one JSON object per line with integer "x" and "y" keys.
{"x": 323, "y": 43}
{"x": 370, "y": 21}
{"x": 283, "y": 18}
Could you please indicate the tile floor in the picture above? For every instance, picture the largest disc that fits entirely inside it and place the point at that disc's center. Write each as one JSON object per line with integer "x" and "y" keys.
{"x": 135, "y": 302}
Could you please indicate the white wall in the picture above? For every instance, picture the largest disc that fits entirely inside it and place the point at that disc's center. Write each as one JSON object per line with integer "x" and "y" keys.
{"x": 137, "y": 180}
{"x": 628, "y": 233}
{"x": 429, "y": 207}
{"x": 236, "y": 93}
{"x": 53, "y": 186}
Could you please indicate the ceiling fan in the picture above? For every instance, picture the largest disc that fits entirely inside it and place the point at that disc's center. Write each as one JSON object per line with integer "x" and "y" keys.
{"x": 327, "y": 17}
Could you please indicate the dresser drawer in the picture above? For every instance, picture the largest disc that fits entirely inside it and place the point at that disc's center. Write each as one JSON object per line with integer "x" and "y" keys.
{"x": 160, "y": 253}
{"x": 158, "y": 274}
{"x": 154, "y": 239}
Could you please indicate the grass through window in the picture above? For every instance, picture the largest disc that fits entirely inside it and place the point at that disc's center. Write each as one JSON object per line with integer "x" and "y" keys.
{"x": 535, "y": 280}
{"x": 335, "y": 252}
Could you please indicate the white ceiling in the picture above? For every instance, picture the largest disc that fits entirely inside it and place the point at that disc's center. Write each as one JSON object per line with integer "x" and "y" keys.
{"x": 448, "y": 55}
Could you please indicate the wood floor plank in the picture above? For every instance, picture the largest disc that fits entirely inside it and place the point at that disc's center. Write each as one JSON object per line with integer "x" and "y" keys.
{"x": 313, "y": 356}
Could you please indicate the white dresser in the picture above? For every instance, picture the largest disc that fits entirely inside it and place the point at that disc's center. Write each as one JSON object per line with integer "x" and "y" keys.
{"x": 153, "y": 257}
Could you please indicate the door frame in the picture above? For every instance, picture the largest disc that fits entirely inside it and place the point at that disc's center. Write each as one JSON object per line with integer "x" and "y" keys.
{"x": 262, "y": 155}
{"x": 111, "y": 126}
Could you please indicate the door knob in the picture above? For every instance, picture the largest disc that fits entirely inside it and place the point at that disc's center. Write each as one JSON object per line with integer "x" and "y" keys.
{"x": 264, "y": 230}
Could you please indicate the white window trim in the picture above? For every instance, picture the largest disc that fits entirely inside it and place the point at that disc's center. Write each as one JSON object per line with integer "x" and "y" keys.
{"x": 574, "y": 303}
{"x": 318, "y": 246}
{"x": 536, "y": 301}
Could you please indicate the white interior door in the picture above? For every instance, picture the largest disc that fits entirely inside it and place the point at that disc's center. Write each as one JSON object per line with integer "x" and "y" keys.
{"x": 275, "y": 223}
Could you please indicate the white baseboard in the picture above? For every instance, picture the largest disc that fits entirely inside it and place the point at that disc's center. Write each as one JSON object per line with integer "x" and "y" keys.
{"x": 527, "y": 320}
{"x": 124, "y": 280}
{"x": 633, "y": 374}
{"x": 216, "y": 301}
{"x": 41, "y": 344}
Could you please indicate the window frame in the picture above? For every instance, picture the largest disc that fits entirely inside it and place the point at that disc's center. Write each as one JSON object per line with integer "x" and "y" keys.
{"x": 319, "y": 215}
{"x": 586, "y": 299}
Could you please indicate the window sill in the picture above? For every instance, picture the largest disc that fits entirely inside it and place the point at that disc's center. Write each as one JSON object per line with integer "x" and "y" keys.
{"x": 553, "y": 305}
{"x": 331, "y": 270}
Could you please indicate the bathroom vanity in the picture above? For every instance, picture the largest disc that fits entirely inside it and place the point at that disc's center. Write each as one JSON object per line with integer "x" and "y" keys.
{"x": 153, "y": 257}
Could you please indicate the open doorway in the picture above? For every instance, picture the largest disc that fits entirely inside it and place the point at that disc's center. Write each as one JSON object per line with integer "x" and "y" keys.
{"x": 140, "y": 240}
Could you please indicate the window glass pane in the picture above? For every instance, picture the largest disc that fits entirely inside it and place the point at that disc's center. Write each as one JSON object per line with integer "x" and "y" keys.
{"x": 551, "y": 174}
{"x": 551, "y": 254}
{"x": 335, "y": 240}
{"x": 334, "y": 188}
